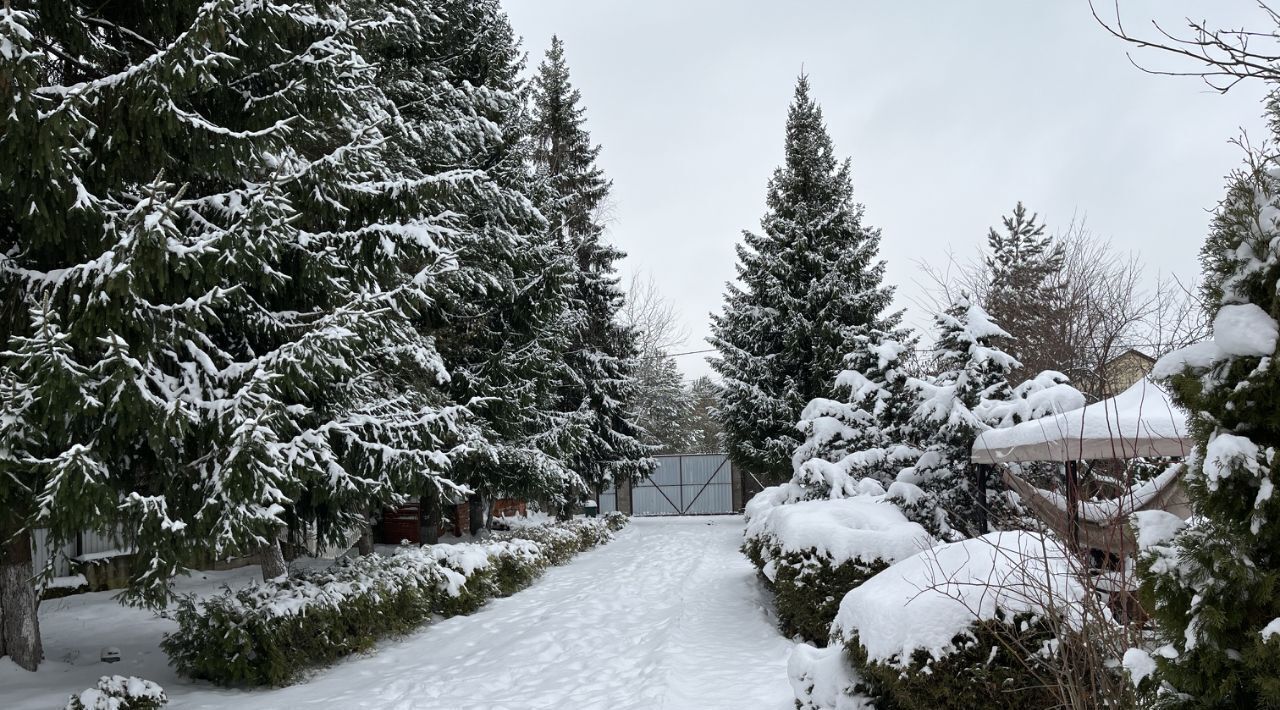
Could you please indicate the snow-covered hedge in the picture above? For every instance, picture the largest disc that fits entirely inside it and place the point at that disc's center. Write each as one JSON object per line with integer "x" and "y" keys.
{"x": 812, "y": 552}
{"x": 117, "y": 692}
{"x": 939, "y": 629}
{"x": 269, "y": 633}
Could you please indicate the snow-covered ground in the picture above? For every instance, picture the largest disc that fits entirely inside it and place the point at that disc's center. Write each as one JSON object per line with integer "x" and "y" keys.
{"x": 668, "y": 616}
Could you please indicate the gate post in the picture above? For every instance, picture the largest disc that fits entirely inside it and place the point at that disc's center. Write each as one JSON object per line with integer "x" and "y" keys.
{"x": 623, "y": 497}
{"x": 736, "y": 490}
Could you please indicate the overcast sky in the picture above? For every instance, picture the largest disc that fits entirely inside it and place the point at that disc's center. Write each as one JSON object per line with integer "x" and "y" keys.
{"x": 950, "y": 112}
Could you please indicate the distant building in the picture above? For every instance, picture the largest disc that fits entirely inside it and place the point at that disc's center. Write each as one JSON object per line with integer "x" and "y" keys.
{"x": 1122, "y": 371}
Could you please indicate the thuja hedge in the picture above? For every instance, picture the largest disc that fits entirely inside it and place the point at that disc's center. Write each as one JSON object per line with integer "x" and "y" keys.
{"x": 269, "y": 633}
{"x": 807, "y": 587}
{"x": 979, "y": 671}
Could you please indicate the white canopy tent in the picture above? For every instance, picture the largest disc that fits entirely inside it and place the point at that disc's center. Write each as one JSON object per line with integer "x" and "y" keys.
{"x": 1141, "y": 421}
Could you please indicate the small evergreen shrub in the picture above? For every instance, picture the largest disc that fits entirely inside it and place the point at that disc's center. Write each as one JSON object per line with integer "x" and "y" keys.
{"x": 268, "y": 634}
{"x": 516, "y": 564}
{"x": 119, "y": 692}
{"x": 812, "y": 553}
{"x": 807, "y": 589}
{"x": 560, "y": 541}
{"x": 978, "y": 672}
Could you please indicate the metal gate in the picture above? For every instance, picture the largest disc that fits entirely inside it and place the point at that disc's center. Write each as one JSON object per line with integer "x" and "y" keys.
{"x": 685, "y": 484}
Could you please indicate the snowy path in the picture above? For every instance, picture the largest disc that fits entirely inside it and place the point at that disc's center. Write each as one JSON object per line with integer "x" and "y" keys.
{"x": 666, "y": 617}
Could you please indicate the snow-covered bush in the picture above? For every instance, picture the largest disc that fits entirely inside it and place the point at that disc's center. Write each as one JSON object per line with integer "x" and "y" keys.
{"x": 484, "y": 571}
{"x": 822, "y": 680}
{"x": 561, "y": 541}
{"x": 975, "y": 623}
{"x": 616, "y": 520}
{"x": 813, "y": 552}
{"x": 267, "y": 634}
{"x": 117, "y": 692}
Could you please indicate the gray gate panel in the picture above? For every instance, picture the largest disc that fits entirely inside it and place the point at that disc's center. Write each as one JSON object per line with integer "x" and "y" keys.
{"x": 667, "y": 473}
{"x": 690, "y": 484}
{"x": 609, "y": 500}
{"x": 715, "y": 498}
{"x": 704, "y": 467}
{"x": 648, "y": 500}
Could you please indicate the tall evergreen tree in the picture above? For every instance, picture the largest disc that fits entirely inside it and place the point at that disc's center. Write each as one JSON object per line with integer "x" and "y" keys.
{"x": 662, "y": 403}
{"x": 599, "y": 392}
{"x": 701, "y": 422}
{"x": 454, "y": 68}
{"x": 203, "y": 226}
{"x": 1023, "y": 297}
{"x": 808, "y": 282}
{"x": 1212, "y": 587}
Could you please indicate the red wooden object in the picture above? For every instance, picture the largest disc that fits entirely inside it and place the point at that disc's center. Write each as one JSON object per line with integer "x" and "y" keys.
{"x": 402, "y": 524}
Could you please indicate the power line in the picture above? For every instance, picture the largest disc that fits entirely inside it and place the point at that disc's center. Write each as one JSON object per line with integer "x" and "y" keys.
{"x": 667, "y": 355}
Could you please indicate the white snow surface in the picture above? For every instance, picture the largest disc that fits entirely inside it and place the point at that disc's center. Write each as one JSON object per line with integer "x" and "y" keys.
{"x": 864, "y": 528}
{"x": 1155, "y": 527}
{"x": 1044, "y": 395}
{"x": 1239, "y": 330}
{"x": 924, "y": 601}
{"x": 1139, "y": 663}
{"x": 1244, "y": 330}
{"x": 1141, "y": 421}
{"x": 822, "y": 679}
{"x": 668, "y": 616}
{"x": 1271, "y": 629}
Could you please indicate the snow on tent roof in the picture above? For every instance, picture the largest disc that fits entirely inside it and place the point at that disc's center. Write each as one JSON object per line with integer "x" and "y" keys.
{"x": 1141, "y": 421}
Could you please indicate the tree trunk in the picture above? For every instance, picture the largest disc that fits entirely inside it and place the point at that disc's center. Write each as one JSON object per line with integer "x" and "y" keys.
{"x": 475, "y": 516}
{"x": 566, "y": 511}
{"x": 272, "y": 560}
{"x": 430, "y": 507}
{"x": 19, "y": 623}
{"x": 365, "y": 545}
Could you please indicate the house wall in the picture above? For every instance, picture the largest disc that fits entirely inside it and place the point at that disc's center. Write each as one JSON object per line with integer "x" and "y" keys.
{"x": 1126, "y": 369}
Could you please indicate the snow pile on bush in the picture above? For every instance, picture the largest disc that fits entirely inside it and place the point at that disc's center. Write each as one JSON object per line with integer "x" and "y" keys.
{"x": 813, "y": 552}
{"x": 267, "y": 634}
{"x": 822, "y": 680}
{"x": 119, "y": 692}
{"x": 936, "y": 629}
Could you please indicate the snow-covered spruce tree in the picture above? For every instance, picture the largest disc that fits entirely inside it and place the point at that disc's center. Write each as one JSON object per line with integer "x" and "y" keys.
{"x": 807, "y": 282}
{"x": 1023, "y": 297}
{"x": 1212, "y": 587}
{"x": 233, "y": 267}
{"x": 864, "y": 433}
{"x": 599, "y": 391}
{"x": 946, "y": 420}
{"x": 662, "y": 404}
{"x": 453, "y": 67}
{"x": 705, "y": 436}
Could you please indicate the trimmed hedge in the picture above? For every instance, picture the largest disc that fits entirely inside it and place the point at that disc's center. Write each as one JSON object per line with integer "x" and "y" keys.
{"x": 812, "y": 553}
{"x": 268, "y": 634}
{"x": 978, "y": 673}
{"x": 807, "y": 590}
{"x": 117, "y": 692}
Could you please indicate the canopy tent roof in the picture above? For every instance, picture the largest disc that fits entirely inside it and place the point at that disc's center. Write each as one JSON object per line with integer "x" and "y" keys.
{"x": 1141, "y": 421}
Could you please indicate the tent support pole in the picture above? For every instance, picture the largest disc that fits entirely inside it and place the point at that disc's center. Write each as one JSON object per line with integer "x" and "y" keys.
{"x": 1073, "y": 504}
{"x": 983, "y": 503}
